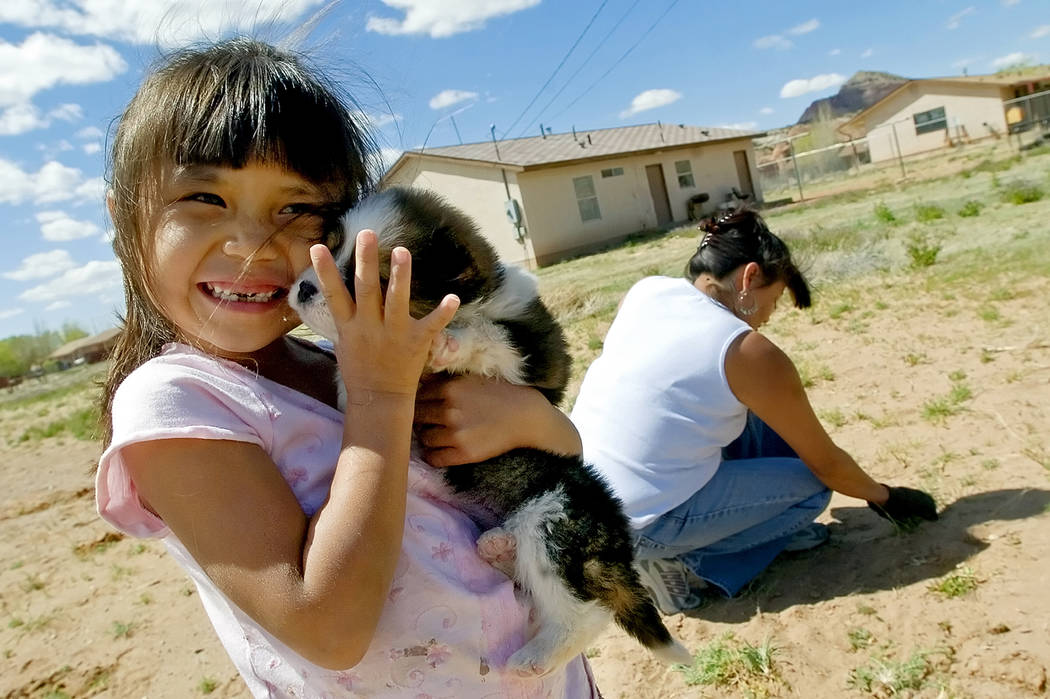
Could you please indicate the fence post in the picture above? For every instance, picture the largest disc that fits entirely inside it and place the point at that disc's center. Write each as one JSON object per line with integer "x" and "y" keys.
{"x": 798, "y": 178}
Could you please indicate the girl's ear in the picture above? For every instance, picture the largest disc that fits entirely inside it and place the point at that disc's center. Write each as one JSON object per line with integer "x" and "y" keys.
{"x": 750, "y": 277}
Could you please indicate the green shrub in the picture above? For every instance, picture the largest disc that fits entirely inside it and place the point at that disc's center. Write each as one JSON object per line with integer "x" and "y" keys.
{"x": 970, "y": 208}
{"x": 883, "y": 213}
{"x": 923, "y": 253}
{"x": 928, "y": 212}
{"x": 1022, "y": 193}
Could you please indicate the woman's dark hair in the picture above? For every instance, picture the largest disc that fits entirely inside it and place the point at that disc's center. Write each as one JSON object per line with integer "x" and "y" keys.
{"x": 224, "y": 104}
{"x": 736, "y": 237}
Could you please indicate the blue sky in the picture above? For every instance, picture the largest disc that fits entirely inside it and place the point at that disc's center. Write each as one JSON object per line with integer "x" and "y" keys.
{"x": 67, "y": 67}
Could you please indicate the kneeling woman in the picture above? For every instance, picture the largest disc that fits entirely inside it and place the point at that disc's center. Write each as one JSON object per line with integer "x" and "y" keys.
{"x": 703, "y": 429}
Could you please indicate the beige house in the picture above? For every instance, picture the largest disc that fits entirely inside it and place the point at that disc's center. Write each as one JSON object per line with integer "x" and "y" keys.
{"x": 923, "y": 115}
{"x": 542, "y": 199}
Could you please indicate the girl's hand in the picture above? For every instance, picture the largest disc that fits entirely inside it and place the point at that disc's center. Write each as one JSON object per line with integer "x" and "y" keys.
{"x": 466, "y": 419}
{"x": 380, "y": 347}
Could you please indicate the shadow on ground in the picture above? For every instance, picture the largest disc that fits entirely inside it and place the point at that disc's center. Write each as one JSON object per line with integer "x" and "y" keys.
{"x": 867, "y": 554}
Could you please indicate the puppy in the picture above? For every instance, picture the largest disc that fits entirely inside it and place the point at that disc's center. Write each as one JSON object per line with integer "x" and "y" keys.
{"x": 573, "y": 547}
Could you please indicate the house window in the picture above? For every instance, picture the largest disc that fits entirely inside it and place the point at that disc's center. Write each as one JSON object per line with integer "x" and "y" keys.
{"x": 612, "y": 172}
{"x": 933, "y": 120}
{"x": 685, "y": 174}
{"x": 586, "y": 198}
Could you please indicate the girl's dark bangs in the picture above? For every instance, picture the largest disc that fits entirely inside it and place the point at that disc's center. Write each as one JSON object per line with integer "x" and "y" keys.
{"x": 291, "y": 125}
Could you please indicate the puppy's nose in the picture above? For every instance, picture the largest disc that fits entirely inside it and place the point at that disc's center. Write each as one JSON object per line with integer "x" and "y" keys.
{"x": 306, "y": 291}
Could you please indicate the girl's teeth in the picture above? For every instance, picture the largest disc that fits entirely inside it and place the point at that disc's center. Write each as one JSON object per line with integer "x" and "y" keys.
{"x": 234, "y": 296}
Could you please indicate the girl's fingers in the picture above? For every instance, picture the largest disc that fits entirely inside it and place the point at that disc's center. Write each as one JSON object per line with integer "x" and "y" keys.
{"x": 340, "y": 304}
{"x": 399, "y": 286}
{"x": 366, "y": 274}
{"x": 435, "y": 321}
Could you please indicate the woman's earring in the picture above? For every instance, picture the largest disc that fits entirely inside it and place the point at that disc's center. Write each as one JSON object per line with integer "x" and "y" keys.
{"x": 741, "y": 308}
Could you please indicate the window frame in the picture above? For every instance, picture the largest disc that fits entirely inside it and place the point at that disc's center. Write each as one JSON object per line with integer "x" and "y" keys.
{"x": 686, "y": 180}
{"x": 928, "y": 121}
{"x": 587, "y": 199}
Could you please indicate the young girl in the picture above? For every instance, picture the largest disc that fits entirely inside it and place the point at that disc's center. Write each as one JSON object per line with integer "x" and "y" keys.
{"x": 320, "y": 558}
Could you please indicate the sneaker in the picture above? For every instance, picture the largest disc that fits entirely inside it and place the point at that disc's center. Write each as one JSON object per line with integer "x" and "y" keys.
{"x": 809, "y": 537}
{"x": 667, "y": 580}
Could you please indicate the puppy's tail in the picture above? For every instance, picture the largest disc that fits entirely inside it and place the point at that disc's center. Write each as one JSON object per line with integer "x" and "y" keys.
{"x": 636, "y": 614}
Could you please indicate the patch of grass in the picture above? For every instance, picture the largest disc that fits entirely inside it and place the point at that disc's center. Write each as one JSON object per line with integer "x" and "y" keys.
{"x": 100, "y": 545}
{"x": 1018, "y": 193}
{"x": 207, "y": 685}
{"x": 82, "y": 425}
{"x": 990, "y": 464}
{"x": 834, "y": 417}
{"x": 887, "y": 677}
{"x": 727, "y": 662}
{"x": 957, "y": 584}
{"x": 916, "y": 358}
{"x": 924, "y": 213}
{"x": 859, "y": 638}
{"x": 970, "y": 209}
{"x": 921, "y": 250}
{"x": 937, "y": 409}
{"x": 989, "y": 314}
{"x": 885, "y": 214}
{"x": 122, "y": 629}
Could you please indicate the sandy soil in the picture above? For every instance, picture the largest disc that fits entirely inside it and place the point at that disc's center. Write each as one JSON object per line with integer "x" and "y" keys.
{"x": 927, "y": 388}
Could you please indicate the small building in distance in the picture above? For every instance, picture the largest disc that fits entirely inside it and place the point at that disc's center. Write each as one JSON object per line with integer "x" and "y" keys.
{"x": 547, "y": 198}
{"x": 87, "y": 349}
{"x": 926, "y": 114}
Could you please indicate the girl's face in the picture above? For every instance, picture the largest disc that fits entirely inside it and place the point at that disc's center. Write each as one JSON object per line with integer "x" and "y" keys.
{"x": 766, "y": 298}
{"x": 228, "y": 245}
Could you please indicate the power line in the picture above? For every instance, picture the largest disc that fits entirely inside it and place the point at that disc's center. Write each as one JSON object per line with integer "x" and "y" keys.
{"x": 619, "y": 60}
{"x": 544, "y": 87}
{"x": 582, "y": 65}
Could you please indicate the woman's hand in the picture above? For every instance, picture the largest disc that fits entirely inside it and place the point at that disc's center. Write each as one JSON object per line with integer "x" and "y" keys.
{"x": 905, "y": 507}
{"x": 380, "y": 347}
{"x": 466, "y": 419}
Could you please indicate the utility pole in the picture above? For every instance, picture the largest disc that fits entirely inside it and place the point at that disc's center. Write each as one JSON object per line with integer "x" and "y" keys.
{"x": 900, "y": 156}
{"x": 452, "y": 118}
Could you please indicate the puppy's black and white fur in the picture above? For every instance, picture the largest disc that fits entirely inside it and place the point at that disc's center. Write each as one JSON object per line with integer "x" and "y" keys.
{"x": 574, "y": 551}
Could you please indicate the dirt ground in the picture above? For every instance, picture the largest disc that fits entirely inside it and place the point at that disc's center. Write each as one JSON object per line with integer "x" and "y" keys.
{"x": 940, "y": 384}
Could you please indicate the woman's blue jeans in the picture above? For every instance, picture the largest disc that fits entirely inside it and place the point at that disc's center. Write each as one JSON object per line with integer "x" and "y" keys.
{"x": 733, "y": 527}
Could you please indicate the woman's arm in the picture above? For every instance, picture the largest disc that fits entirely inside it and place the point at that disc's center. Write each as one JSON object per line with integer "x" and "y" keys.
{"x": 466, "y": 419}
{"x": 318, "y": 585}
{"x": 764, "y": 379}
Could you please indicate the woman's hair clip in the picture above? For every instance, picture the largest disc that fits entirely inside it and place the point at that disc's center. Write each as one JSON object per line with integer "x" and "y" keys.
{"x": 710, "y": 227}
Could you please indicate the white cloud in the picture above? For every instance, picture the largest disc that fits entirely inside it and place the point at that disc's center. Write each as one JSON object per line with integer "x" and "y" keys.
{"x": 1010, "y": 3}
{"x": 95, "y": 277}
{"x": 67, "y": 112}
{"x": 57, "y": 305}
{"x": 834, "y": 52}
{"x": 1010, "y": 59}
{"x": 1040, "y": 31}
{"x": 90, "y": 132}
{"x": 52, "y": 182}
{"x": 766, "y": 110}
{"x": 43, "y": 61}
{"x": 91, "y": 148}
{"x": 59, "y": 226}
{"x": 867, "y": 53}
{"x": 170, "y": 23}
{"x": 740, "y": 125}
{"x": 773, "y": 41}
{"x": 20, "y": 118}
{"x": 805, "y": 28}
{"x": 42, "y": 265}
{"x": 650, "y": 99}
{"x": 818, "y": 83}
{"x": 11, "y": 313}
{"x": 447, "y": 98}
{"x": 443, "y": 18}
{"x": 956, "y": 19}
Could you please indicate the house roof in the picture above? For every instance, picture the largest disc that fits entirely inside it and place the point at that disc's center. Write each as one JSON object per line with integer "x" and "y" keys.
{"x": 564, "y": 148}
{"x": 1002, "y": 79}
{"x": 101, "y": 339}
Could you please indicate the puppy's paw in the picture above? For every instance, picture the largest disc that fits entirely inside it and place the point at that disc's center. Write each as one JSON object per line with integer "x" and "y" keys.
{"x": 527, "y": 664}
{"x": 444, "y": 352}
{"x": 499, "y": 549}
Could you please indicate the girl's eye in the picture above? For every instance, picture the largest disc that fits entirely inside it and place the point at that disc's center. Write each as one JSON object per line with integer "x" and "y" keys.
{"x": 301, "y": 209}
{"x": 206, "y": 198}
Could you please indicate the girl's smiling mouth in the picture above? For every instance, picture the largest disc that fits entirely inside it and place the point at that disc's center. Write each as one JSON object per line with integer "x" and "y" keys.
{"x": 257, "y": 294}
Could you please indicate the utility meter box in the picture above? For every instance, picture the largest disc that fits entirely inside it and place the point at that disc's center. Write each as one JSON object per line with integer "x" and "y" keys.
{"x": 513, "y": 212}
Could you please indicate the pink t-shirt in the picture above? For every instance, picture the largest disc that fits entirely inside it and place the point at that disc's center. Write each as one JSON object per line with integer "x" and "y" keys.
{"x": 450, "y": 620}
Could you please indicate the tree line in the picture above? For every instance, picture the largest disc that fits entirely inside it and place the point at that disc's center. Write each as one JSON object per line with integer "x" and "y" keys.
{"x": 20, "y": 353}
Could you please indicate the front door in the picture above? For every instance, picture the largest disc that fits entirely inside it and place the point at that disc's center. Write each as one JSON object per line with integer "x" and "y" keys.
{"x": 743, "y": 172}
{"x": 658, "y": 190}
